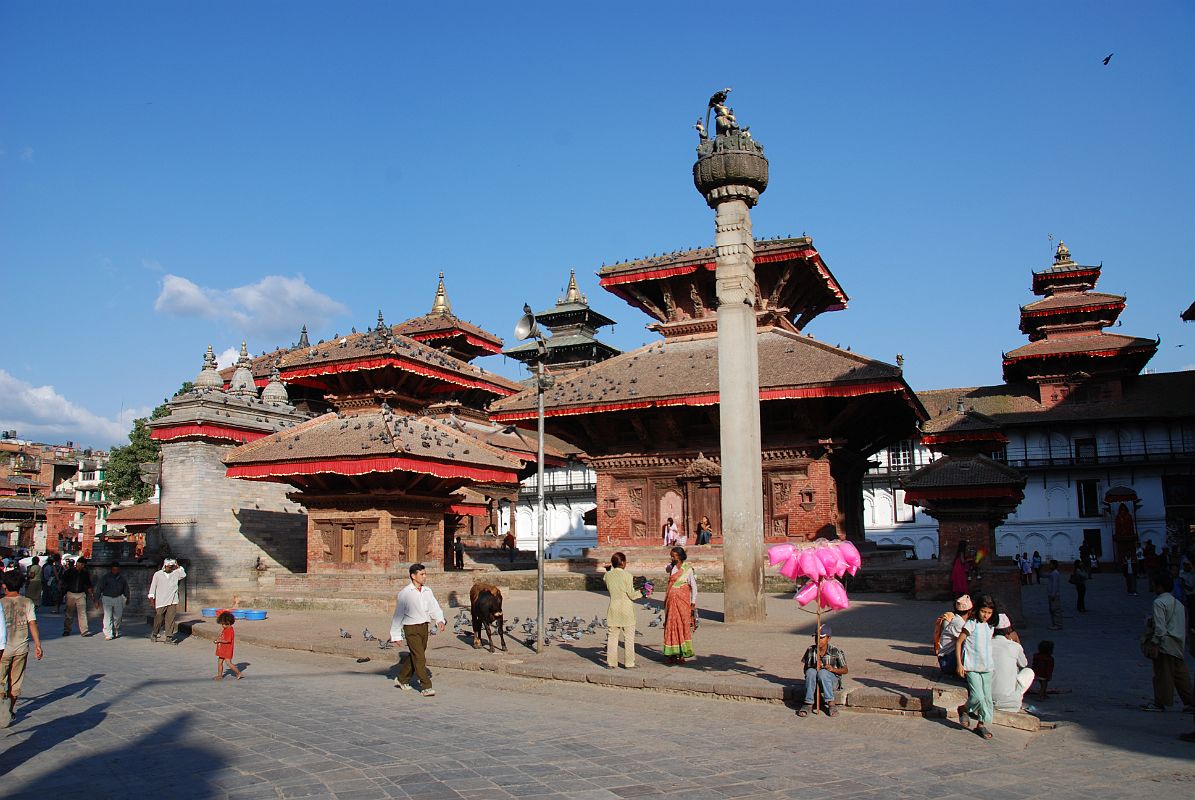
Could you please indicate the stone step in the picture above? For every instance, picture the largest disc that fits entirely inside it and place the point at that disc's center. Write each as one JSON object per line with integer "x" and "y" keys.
{"x": 948, "y": 698}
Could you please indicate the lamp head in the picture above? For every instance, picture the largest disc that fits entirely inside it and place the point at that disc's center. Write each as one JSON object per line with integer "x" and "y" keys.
{"x": 526, "y": 327}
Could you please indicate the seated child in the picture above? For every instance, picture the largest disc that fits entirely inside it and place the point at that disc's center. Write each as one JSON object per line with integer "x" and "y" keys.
{"x": 1043, "y": 665}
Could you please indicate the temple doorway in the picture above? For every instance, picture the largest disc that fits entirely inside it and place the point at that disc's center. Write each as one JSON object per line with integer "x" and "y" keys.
{"x": 672, "y": 505}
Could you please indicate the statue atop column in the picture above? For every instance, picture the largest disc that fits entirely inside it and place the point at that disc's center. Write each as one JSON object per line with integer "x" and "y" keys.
{"x": 729, "y": 158}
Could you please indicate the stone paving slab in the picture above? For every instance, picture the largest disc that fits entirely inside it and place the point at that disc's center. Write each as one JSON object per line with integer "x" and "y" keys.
{"x": 885, "y": 639}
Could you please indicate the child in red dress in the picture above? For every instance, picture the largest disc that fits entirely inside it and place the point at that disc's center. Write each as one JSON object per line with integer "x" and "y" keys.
{"x": 224, "y": 646}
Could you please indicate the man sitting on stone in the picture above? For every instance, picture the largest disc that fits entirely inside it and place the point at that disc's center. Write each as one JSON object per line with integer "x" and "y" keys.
{"x": 1011, "y": 676}
{"x": 946, "y": 630}
{"x": 825, "y": 665}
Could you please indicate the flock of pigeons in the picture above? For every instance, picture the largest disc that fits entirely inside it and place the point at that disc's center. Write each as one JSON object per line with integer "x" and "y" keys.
{"x": 562, "y": 629}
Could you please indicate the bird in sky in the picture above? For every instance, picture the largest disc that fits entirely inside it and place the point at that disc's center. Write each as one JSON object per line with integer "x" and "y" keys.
{"x": 1108, "y": 58}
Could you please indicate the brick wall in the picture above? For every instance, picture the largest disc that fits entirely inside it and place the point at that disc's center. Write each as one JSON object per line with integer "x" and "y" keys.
{"x": 804, "y": 503}
{"x": 375, "y": 536}
{"x": 800, "y": 502}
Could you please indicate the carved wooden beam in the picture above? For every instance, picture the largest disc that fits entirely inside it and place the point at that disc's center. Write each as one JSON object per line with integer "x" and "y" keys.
{"x": 651, "y": 307}
{"x": 786, "y": 274}
{"x": 640, "y": 430}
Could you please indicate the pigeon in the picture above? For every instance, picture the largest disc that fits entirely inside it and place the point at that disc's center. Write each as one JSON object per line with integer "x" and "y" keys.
{"x": 345, "y": 634}
{"x": 655, "y": 623}
{"x": 1108, "y": 58}
{"x": 385, "y": 645}
{"x": 362, "y": 660}
{"x": 367, "y": 636}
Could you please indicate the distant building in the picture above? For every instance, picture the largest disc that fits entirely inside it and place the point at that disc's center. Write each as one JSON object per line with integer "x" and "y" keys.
{"x": 1109, "y": 452}
{"x": 29, "y": 471}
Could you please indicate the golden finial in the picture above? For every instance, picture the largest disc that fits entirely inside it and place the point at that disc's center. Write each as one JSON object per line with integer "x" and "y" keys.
{"x": 441, "y": 304}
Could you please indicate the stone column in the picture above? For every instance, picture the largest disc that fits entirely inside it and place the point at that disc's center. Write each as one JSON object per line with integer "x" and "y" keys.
{"x": 738, "y": 413}
{"x": 731, "y": 172}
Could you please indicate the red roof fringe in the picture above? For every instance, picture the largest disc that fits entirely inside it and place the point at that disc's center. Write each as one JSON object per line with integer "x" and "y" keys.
{"x": 667, "y": 272}
{"x": 466, "y": 510}
{"x": 470, "y": 338}
{"x": 710, "y": 399}
{"x": 982, "y": 436}
{"x": 1070, "y": 309}
{"x": 207, "y": 432}
{"x": 1070, "y": 353}
{"x": 363, "y": 466}
{"x": 399, "y": 363}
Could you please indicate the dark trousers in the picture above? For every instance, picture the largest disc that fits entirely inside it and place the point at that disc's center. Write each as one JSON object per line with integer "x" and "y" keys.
{"x": 416, "y": 636}
{"x": 1170, "y": 676}
{"x": 1082, "y": 602}
{"x": 1130, "y": 583}
{"x": 164, "y": 620}
{"x": 459, "y": 560}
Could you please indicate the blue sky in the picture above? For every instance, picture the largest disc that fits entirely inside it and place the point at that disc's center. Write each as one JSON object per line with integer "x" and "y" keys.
{"x": 174, "y": 175}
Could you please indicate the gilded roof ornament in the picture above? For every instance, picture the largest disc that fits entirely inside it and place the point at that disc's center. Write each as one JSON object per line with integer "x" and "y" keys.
{"x": 1063, "y": 254}
{"x": 441, "y": 305}
{"x": 573, "y": 295}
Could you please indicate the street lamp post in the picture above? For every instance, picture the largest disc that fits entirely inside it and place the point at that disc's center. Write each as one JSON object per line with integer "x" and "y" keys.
{"x": 528, "y": 329}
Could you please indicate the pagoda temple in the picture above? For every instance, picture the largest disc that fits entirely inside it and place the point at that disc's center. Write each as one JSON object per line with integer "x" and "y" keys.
{"x": 648, "y": 419}
{"x": 1069, "y": 351}
{"x": 574, "y": 326}
{"x": 380, "y": 473}
{"x": 443, "y": 330}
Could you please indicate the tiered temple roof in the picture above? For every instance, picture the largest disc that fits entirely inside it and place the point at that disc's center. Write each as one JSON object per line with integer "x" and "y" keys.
{"x": 443, "y": 330}
{"x": 574, "y": 325}
{"x": 318, "y": 452}
{"x": 677, "y": 289}
{"x": 682, "y": 370}
{"x": 380, "y": 364}
{"x": 1065, "y": 329}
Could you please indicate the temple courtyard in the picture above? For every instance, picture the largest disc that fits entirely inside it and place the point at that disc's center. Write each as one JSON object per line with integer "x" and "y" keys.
{"x": 129, "y": 718}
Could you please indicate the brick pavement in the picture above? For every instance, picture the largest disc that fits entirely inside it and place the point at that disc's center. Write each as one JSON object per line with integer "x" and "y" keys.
{"x": 118, "y": 719}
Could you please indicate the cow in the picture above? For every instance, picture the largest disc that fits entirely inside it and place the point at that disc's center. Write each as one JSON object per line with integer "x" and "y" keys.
{"x": 485, "y": 606}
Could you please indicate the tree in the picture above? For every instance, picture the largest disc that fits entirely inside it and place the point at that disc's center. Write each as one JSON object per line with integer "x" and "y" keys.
{"x": 122, "y": 479}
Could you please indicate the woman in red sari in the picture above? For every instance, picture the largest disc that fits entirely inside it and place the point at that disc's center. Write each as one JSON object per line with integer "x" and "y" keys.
{"x": 680, "y": 609}
{"x": 959, "y": 582}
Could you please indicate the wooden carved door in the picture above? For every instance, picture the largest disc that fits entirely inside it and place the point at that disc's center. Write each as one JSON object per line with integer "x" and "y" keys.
{"x": 348, "y": 544}
{"x": 412, "y": 546}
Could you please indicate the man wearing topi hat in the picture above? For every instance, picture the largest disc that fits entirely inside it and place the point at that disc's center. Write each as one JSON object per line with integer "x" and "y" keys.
{"x": 824, "y": 664}
{"x": 163, "y": 590}
{"x": 946, "y": 633}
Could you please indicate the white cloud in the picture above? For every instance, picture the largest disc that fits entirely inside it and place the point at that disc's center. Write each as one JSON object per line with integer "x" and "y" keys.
{"x": 229, "y": 357}
{"x": 275, "y": 306}
{"x": 180, "y": 297}
{"x": 26, "y": 153}
{"x": 40, "y": 413}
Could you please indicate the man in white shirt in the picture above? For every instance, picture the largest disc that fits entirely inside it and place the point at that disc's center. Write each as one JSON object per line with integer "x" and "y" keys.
{"x": 1011, "y": 676}
{"x": 414, "y": 612}
{"x": 163, "y": 590}
{"x": 1168, "y": 638}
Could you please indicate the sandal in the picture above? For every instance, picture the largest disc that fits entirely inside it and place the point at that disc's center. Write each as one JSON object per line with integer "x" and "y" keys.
{"x": 831, "y": 710}
{"x": 983, "y": 732}
{"x": 963, "y": 718}
{"x": 803, "y": 711}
